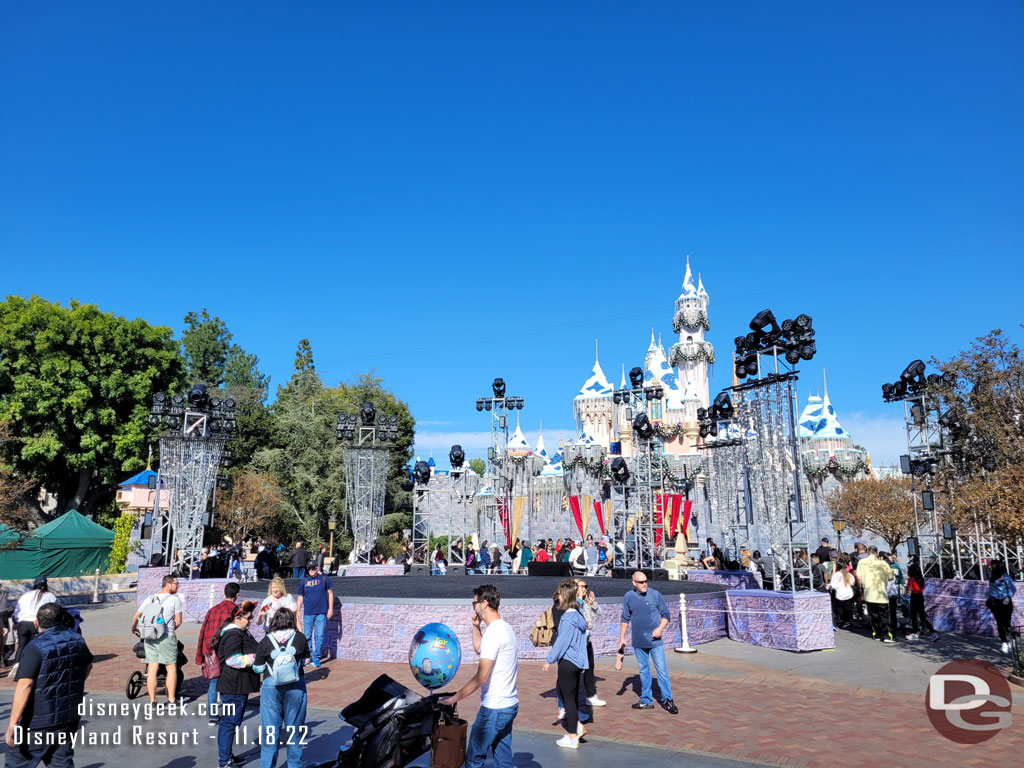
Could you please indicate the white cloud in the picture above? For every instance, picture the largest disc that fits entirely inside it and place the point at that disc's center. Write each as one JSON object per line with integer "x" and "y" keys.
{"x": 475, "y": 444}
{"x": 885, "y": 437}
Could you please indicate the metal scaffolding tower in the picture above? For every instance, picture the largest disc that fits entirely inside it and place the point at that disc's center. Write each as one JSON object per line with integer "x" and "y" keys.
{"x": 495, "y": 515}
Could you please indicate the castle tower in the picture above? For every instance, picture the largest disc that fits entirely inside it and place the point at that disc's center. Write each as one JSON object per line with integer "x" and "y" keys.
{"x": 592, "y": 407}
{"x": 692, "y": 354}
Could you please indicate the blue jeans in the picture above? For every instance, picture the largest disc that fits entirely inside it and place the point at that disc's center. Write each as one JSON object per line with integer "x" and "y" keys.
{"x": 235, "y": 567}
{"x": 313, "y": 628}
{"x": 644, "y": 657}
{"x": 211, "y": 698}
{"x": 492, "y": 731}
{"x": 298, "y": 573}
{"x": 29, "y": 756}
{"x": 230, "y": 718}
{"x": 283, "y": 708}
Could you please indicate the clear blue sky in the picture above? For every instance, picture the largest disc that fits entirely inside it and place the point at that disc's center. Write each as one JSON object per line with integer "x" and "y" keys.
{"x": 448, "y": 192}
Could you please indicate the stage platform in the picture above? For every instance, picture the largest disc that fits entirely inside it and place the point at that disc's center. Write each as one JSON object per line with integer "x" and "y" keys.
{"x": 445, "y": 589}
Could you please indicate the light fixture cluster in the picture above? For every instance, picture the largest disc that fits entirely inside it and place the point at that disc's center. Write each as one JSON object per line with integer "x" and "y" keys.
{"x": 637, "y": 389}
{"x": 511, "y": 402}
{"x": 919, "y": 465}
{"x": 913, "y": 381}
{"x": 348, "y": 424}
{"x": 219, "y": 413}
{"x": 707, "y": 418}
{"x": 793, "y": 338}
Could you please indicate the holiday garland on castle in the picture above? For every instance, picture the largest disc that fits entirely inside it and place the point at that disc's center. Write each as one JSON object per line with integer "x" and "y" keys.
{"x": 704, "y": 352}
{"x": 590, "y": 466}
{"x": 690, "y": 319}
{"x": 833, "y": 467}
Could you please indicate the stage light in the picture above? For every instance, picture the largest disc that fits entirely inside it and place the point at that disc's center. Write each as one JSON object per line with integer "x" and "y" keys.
{"x": 905, "y": 466}
{"x": 793, "y": 356}
{"x": 616, "y": 397}
{"x": 713, "y": 429}
{"x": 803, "y": 322}
{"x": 807, "y": 351}
{"x": 642, "y": 426}
{"x": 197, "y": 397}
{"x": 913, "y": 375}
{"x": 421, "y": 473}
{"x": 223, "y": 482}
{"x": 498, "y": 387}
{"x": 934, "y": 378}
{"x": 479, "y": 404}
{"x": 487, "y": 405}
{"x": 214, "y": 402}
{"x": 229, "y": 404}
{"x": 154, "y": 420}
{"x": 761, "y": 320}
{"x": 723, "y": 406}
{"x": 178, "y": 399}
{"x": 368, "y": 412}
{"x": 456, "y": 456}
{"x": 636, "y": 377}
{"x": 159, "y": 398}
{"x": 950, "y": 420}
{"x": 928, "y": 500}
{"x": 888, "y": 390}
{"x": 620, "y": 471}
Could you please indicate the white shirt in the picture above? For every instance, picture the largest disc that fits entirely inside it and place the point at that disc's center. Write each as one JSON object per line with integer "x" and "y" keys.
{"x": 286, "y": 601}
{"x": 843, "y": 590}
{"x": 499, "y": 643}
{"x": 30, "y": 603}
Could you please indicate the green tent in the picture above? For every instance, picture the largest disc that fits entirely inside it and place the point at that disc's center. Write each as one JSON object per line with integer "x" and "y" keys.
{"x": 71, "y": 545}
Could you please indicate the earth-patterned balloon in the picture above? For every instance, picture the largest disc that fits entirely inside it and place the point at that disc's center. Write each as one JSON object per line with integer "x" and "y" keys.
{"x": 434, "y": 655}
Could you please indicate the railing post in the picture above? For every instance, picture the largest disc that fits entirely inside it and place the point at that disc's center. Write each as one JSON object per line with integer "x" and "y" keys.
{"x": 685, "y": 647}
{"x": 96, "y": 586}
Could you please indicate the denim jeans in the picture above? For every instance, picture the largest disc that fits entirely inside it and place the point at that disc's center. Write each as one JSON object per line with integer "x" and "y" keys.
{"x": 313, "y": 628}
{"x": 283, "y": 708}
{"x": 235, "y": 568}
{"x": 55, "y": 756}
{"x": 644, "y": 657}
{"x": 298, "y": 573}
{"x": 234, "y": 709}
{"x": 492, "y": 731}
{"x": 211, "y": 698}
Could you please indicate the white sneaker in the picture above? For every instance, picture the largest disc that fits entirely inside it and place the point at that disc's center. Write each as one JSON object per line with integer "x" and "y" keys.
{"x": 568, "y": 742}
{"x": 1006, "y": 648}
{"x": 580, "y": 731}
{"x": 912, "y": 636}
{"x": 596, "y": 702}
{"x": 561, "y": 713}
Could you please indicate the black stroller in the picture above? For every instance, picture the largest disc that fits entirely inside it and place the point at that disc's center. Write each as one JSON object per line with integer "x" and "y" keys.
{"x": 393, "y": 726}
{"x": 137, "y": 680}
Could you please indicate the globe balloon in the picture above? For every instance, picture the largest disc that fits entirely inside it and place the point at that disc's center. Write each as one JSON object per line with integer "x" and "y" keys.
{"x": 434, "y": 655}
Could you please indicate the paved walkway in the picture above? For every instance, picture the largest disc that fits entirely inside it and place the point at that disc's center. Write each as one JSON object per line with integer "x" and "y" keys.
{"x": 859, "y": 704}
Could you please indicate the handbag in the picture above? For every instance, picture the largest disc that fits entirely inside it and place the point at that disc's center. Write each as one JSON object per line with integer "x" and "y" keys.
{"x": 211, "y": 665}
{"x": 448, "y": 742}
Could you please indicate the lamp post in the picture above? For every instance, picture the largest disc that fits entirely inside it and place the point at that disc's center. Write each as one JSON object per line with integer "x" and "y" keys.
{"x": 332, "y": 521}
{"x": 838, "y": 524}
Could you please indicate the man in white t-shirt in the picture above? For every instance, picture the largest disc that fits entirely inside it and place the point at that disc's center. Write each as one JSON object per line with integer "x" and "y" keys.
{"x": 496, "y": 679}
{"x": 164, "y": 650}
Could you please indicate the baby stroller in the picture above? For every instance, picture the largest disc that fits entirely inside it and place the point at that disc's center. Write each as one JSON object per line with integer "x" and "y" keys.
{"x": 137, "y": 680}
{"x": 393, "y": 726}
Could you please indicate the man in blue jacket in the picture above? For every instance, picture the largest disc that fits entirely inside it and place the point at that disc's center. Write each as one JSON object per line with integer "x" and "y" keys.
{"x": 51, "y": 685}
{"x": 645, "y": 609}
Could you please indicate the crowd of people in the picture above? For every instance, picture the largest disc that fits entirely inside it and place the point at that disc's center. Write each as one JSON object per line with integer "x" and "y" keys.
{"x": 585, "y": 556}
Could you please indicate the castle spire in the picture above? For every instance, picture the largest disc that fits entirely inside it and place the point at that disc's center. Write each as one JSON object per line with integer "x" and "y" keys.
{"x": 596, "y": 355}
{"x": 689, "y": 289}
{"x": 622, "y": 384}
{"x": 700, "y": 287}
{"x": 653, "y": 345}
{"x": 824, "y": 379}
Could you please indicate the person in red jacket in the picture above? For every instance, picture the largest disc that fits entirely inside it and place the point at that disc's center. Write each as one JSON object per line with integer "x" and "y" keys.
{"x": 205, "y": 656}
{"x": 915, "y": 587}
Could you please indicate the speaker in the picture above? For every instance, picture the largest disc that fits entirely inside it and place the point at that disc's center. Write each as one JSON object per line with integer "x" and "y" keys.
{"x": 657, "y": 574}
{"x": 652, "y": 574}
{"x": 419, "y": 569}
{"x": 548, "y": 569}
{"x": 456, "y": 570}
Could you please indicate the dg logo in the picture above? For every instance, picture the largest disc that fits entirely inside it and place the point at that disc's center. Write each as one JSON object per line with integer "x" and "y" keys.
{"x": 968, "y": 701}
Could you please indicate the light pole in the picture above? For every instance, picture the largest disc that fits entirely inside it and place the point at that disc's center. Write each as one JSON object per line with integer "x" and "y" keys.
{"x": 838, "y": 523}
{"x": 332, "y": 521}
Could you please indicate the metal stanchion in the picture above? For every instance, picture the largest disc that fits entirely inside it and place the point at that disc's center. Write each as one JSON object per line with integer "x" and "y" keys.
{"x": 211, "y": 595}
{"x": 685, "y": 647}
{"x": 96, "y": 586}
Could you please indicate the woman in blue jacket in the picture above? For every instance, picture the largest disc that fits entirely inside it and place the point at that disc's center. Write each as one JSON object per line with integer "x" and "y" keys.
{"x": 1000, "y": 599}
{"x": 570, "y": 652}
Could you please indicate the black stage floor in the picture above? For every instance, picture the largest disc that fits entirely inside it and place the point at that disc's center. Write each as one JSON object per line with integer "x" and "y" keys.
{"x": 456, "y": 587}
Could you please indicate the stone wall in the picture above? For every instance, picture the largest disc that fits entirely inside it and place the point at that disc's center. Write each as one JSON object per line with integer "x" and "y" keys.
{"x": 729, "y": 579}
{"x": 198, "y": 594}
{"x": 955, "y": 605}
{"x": 706, "y": 618}
{"x": 365, "y": 569}
{"x": 783, "y": 620}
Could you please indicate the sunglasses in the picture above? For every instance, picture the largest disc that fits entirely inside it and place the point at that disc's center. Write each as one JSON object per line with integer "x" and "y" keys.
{"x": 640, "y": 582}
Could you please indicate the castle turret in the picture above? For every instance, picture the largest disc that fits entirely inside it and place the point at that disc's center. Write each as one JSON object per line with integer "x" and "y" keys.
{"x": 592, "y": 407}
{"x": 692, "y": 354}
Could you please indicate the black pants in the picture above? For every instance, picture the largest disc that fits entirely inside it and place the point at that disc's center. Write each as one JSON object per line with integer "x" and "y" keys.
{"x": 589, "y": 682}
{"x": 917, "y": 612}
{"x": 878, "y": 615}
{"x": 1004, "y": 616}
{"x": 893, "y": 623}
{"x": 51, "y": 752}
{"x": 844, "y": 610}
{"x": 568, "y": 686}
{"x": 26, "y": 634}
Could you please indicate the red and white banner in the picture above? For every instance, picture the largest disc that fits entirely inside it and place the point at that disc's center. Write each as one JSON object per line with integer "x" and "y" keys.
{"x": 600, "y": 515}
{"x": 574, "y": 505}
{"x": 503, "y": 518}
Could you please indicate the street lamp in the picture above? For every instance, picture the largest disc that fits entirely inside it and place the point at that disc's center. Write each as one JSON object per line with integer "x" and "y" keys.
{"x": 838, "y": 524}
{"x": 332, "y": 521}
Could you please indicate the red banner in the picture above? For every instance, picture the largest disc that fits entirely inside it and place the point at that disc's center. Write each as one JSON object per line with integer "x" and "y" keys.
{"x": 687, "y": 507}
{"x": 503, "y": 518}
{"x": 659, "y": 519}
{"x": 600, "y": 516}
{"x": 675, "y": 501}
{"x": 574, "y": 504}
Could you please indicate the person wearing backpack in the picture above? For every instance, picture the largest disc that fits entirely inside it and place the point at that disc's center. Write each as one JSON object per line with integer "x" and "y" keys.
{"x": 206, "y": 657}
{"x": 279, "y": 658}
{"x": 236, "y": 653}
{"x": 156, "y": 623}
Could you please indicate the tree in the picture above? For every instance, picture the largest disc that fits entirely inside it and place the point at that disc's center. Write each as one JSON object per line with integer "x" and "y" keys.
{"x": 252, "y": 505}
{"x": 14, "y": 488}
{"x": 76, "y": 384}
{"x": 205, "y": 342}
{"x": 304, "y": 356}
{"x": 244, "y": 382}
{"x": 884, "y": 507}
{"x": 478, "y": 465}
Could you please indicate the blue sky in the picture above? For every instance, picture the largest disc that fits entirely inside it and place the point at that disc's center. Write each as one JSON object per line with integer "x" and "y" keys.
{"x": 450, "y": 192}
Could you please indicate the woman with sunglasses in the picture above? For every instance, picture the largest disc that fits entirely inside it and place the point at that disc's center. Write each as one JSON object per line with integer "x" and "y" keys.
{"x": 586, "y": 604}
{"x": 236, "y": 651}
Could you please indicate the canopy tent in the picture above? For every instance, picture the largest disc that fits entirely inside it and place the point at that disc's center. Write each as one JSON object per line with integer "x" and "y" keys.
{"x": 71, "y": 545}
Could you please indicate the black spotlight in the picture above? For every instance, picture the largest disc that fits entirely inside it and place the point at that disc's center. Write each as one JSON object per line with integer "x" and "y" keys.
{"x": 368, "y": 413}
{"x": 643, "y": 427}
{"x": 617, "y": 397}
{"x": 888, "y": 390}
{"x": 456, "y": 456}
{"x": 636, "y": 377}
{"x": 620, "y": 471}
{"x": 913, "y": 375}
{"x": 197, "y": 397}
{"x": 723, "y": 406}
{"x": 421, "y": 473}
{"x": 479, "y": 404}
{"x": 765, "y": 327}
{"x": 498, "y": 387}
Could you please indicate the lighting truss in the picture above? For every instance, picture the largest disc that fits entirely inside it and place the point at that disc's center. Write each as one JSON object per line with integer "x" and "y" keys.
{"x": 497, "y": 518}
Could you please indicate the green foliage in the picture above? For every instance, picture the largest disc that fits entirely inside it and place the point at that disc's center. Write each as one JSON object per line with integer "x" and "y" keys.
{"x": 75, "y": 385}
{"x": 479, "y": 465}
{"x": 121, "y": 546}
{"x": 304, "y": 356}
{"x": 205, "y": 342}
{"x": 388, "y": 546}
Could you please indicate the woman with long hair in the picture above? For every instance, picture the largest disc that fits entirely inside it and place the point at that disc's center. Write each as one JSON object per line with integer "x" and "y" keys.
{"x": 276, "y": 599}
{"x": 587, "y": 605}
{"x": 915, "y": 588}
{"x": 236, "y": 652}
{"x": 1000, "y": 599}
{"x": 569, "y": 651}
{"x": 282, "y": 704}
{"x": 842, "y": 586}
{"x": 25, "y": 612}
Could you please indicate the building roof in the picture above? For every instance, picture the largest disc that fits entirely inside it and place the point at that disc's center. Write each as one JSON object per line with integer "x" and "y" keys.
{"x": 818, "y": 420}
{"x": 597, "y": 385}
{"x": 554, "y": 467}
{"x": 541, "y": 450}
{"x": 700, "y": 288}
{"x": 689, "y": 289}
{"x": 140, "y": 479}
{"x": 518, "y": 441}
